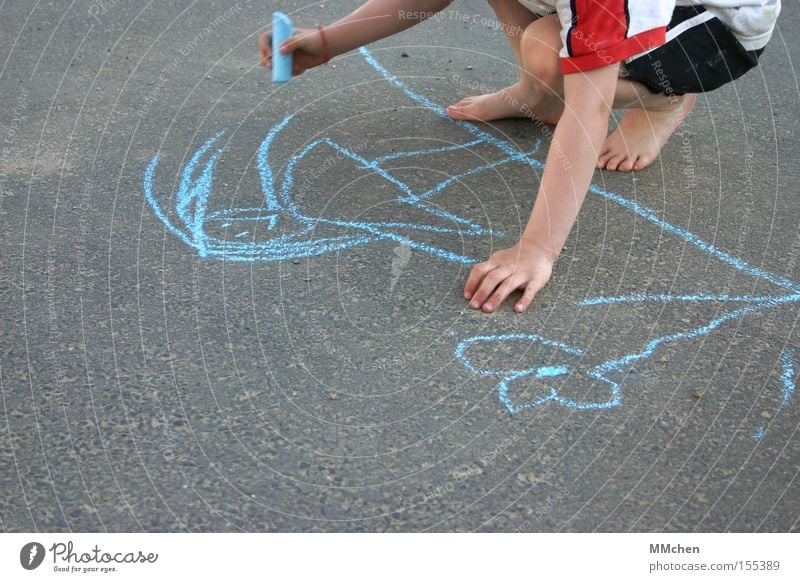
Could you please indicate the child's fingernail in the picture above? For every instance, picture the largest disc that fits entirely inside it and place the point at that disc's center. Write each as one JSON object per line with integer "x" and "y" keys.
{"x": 519, "y": 307}
{"x": 474, "y": 305}
{"x": 467, "y": 296}
{"x": 488, "y": 306}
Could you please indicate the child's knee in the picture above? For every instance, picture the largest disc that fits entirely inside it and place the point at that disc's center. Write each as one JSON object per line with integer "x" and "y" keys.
{"x": 540, "y": 45}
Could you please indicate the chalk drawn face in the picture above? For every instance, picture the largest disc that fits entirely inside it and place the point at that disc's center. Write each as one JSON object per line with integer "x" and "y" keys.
{"x": 280, "y": 229}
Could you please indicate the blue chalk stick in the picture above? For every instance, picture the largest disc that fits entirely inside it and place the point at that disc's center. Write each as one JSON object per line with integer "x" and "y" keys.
{"x": 281, "y": 64}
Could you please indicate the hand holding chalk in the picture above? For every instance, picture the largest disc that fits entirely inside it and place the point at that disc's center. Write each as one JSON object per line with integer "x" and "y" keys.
{"x": 281, "y": 63}
{"x": 304, "y": 49}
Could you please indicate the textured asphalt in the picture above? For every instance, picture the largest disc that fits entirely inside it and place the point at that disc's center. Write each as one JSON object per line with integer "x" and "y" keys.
{"x": 147, "y": 389}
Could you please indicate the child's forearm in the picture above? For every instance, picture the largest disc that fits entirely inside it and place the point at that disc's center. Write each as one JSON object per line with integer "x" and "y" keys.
{"x": 571, "y": 160}
{"x": 377, "y": 19}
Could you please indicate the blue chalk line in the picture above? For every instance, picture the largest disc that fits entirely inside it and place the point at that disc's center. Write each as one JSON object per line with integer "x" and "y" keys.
{"x": 700, "y": 297}
{"x": 439, "y": 150}
{"x": 788, "y": 376}
{"x": 787, "y": 388}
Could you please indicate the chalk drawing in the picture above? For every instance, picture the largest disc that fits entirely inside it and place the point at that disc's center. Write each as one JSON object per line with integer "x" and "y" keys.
{"x": 296, "y": 241}
{"x": 508, "y": 376}
{"x": 192, "y": 202}
{"x": 787, "y": 385}
{"x": 788, "y": 376}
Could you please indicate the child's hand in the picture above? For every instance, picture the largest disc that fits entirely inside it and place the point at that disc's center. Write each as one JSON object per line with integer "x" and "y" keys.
{"x": 306, "y": 45}
{"x": 525, "y": 266}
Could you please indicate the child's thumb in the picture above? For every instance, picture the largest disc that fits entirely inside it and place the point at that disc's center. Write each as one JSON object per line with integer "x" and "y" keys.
{"x": 289, "y": 45}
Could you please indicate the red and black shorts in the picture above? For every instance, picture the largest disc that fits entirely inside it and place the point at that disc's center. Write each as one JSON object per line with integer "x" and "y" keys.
{"x": 671, "y": 50}
{"x": 700, "y": 54}
{"x": 597, "y": 33}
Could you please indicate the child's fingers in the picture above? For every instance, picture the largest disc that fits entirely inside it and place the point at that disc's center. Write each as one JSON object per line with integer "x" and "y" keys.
{"x": 303, "y": 39}
{"x": 474, "y": 279}
{"x": 289, "y": 45}
{"x": 528, "y": 295}
{"x": 265, "y": 44}
{"x": 510, "y": 284}
{"x": 489, "y": 284}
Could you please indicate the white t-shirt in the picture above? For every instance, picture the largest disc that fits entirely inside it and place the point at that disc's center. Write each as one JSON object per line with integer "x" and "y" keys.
{"x": 751, "y": 21}
{"x": 540, "y": 7}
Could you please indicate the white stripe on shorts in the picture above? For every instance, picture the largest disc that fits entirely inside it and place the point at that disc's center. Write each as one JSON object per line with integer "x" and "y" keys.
{"x": 673, "y": 33}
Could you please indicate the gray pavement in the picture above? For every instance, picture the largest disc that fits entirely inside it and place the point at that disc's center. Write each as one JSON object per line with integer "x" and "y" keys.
{"x": 148, "y": 388}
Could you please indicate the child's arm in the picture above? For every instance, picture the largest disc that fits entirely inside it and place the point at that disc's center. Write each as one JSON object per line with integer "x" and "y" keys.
{"x": 568, "y": 172}
{"x": 374, "y": 20}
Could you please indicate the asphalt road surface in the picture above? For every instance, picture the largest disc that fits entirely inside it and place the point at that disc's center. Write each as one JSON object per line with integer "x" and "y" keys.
{"x": 229, "y": 305}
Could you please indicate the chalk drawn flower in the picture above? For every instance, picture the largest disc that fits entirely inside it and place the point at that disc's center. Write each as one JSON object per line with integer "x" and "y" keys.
{"x": 541, "y": 378}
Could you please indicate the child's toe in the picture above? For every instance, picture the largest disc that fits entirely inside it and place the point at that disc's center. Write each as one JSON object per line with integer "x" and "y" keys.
{"x": 614, "y": 162}
{"x": 463, "y": 103}
{"x": 625, "y": 165}
{"x": 642, "y": 162}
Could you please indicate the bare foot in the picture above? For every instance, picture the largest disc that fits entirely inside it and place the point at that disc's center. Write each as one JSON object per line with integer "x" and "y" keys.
{"x": 641, "y": 134}
{"x": 513, "y": 101}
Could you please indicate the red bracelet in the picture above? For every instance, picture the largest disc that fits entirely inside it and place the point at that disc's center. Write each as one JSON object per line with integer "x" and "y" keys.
{"x": 325, "y": 54}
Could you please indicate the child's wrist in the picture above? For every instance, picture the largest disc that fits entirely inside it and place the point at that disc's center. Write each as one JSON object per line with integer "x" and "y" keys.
{"x": 326, "y": 55}
{"x": 535, "y": 246}
{"x": 332, "y": 40}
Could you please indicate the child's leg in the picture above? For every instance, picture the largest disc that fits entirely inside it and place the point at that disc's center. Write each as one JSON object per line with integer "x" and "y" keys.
{"x": 649, "y": 122}
{"x": 700, "y": 55}
{"x": 652, "y": 117}
{"x": 515, "y": 18}
{"x": 539, "y": 89}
